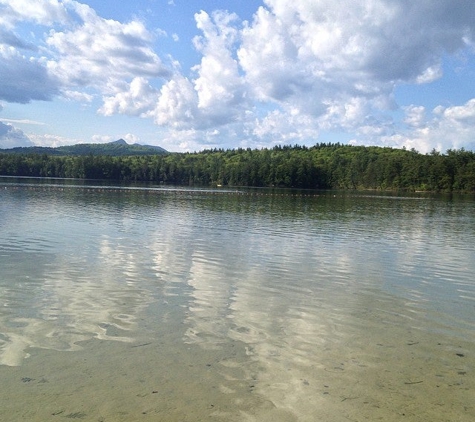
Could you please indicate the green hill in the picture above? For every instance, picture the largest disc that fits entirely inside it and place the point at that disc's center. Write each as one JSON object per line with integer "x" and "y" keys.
{"x": 117, "y": 149}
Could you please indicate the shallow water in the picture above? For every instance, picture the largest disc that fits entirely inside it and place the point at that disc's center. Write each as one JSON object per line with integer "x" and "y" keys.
{"x": 146, "y": 304}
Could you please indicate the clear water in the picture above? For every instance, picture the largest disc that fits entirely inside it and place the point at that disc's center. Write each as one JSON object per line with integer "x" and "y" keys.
{"x": 152, "y": 304}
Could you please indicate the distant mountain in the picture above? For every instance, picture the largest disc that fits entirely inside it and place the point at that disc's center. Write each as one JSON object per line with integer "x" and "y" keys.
{"x": 116, "y": 148}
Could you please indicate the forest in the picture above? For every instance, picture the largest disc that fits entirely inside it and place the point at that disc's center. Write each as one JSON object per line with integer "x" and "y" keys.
{"x": 322, "y": 166}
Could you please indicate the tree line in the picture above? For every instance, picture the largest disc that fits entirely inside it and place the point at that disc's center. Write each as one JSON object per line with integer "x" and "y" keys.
{"x": 322, "y": 166}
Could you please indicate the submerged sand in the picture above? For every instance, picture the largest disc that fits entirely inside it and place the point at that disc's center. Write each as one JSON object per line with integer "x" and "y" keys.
{"x": 377, "y": 366}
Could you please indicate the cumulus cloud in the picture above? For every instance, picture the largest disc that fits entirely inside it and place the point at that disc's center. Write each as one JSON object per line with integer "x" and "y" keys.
{"x": 24, "y": 79}
{"x": 131, "y": 138}
{"x": 81, "y": 97}
{"x": 185, "y": 140}
{"x": 177, "y": 104}
{"x": 102, "y": 53}
{"x": 135, "y": 100}
{"x": 102, "y": 139}
{"x": 278, "y": 127}
{"x": 11, "y": 137}
{"x": 48, "y": 140}
{"x": 219, "y": 85}
{"x": 314, "y": 66}
{"x": 441, "y": 129}
{"x": 444, "y": 128}
{"x": 46, "y": 13}
{"x": 10, "y": 39}
{"x": 298, "y": 68}
{"x": 415, "y": 116}
{"x": 217, "y": 95}
{"x": 80, "y": 51}
{"x": 315, "y": 53}
{"x": 23, "y": 76}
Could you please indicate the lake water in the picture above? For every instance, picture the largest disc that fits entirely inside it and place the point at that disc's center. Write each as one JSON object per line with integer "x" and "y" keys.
{"x": 155, "y": 304}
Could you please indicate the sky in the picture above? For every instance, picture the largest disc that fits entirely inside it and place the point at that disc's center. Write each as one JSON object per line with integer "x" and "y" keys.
{"x": 189, "y": 75}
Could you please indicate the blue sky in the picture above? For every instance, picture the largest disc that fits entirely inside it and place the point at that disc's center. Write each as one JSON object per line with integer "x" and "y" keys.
{"x": 190, "y": 75}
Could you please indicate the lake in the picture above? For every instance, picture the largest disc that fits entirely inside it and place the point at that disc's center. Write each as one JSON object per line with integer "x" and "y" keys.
{"x": 148, "y": 303}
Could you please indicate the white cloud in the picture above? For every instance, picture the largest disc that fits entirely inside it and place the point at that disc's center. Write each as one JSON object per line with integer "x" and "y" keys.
{"x": 278, "y": 127}
{"x": 21, "y": 121}
{"x": 81, "y": 51}
{"x": 103, "y": 53}
{"x": 431, "y": 74}
{"x": 297, "y": 69}
{"x": 24, "y": 79}
{"x": 139, "y": 98}
{"x": 81, "y": 97}
{"x": 131, "y": 138}
{"x": 449, "y": 128}
{"x": 218, "y": 84}
{"x": 312, "y": 54}
{"x": 345, "y": 115}
{"x": 415, "y": 116}
{"x": 177, "y": 104}
{"x": 10, "y": 39}
{"x": 46, "y": 12}
{"x": 181, "y": 140}
{"x": 339, "y": 62}
{"x": 11, "y": 137}
{"x": 441, "y": 129}
{"x": 217, "y": 95}
{"x": 102, "y": 139}
{"x": 47, "y": 140}
{"x": 464, "y": 114}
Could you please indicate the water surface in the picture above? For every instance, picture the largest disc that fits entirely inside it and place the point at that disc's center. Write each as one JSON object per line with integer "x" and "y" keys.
{"x": 145, "y": 303}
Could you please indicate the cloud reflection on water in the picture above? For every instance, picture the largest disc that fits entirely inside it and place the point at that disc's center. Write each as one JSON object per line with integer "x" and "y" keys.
{"x": 276, "y": 302}
{"x": 68, "y": 297}
{"x": 297, "y": 301}
{"x": 285, "y": 280}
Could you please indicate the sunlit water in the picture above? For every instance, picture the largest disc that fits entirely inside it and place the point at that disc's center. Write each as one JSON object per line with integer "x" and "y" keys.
{"x": 152, "y": 304}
